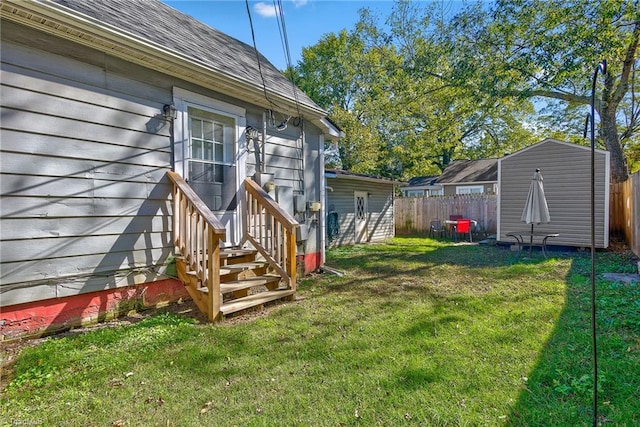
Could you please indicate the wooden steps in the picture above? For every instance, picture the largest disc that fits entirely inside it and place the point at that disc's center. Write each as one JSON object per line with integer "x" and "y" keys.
{"x": 244, "y": 283}
{"x": 254, "y": 301}
{"x": 230, "y": 253}
{"x": 240, "y": 267}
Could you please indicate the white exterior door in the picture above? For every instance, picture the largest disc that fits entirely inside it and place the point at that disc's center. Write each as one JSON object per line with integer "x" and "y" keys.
{"x": 210, "y": 153}
{"x": 361, "y": 215}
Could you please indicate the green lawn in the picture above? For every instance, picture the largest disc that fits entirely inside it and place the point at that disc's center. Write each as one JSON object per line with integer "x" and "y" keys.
{"x": 418, "y": 332}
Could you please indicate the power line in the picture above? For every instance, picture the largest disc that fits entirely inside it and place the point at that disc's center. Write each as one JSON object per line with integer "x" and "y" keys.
{"x": 285, "y": 43}
{"x": 255, "y": 48}
{"x": 282, "y": 28}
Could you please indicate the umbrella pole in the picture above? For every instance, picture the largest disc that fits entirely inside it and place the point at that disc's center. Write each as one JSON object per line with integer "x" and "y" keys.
{"x": 531, "y": 240}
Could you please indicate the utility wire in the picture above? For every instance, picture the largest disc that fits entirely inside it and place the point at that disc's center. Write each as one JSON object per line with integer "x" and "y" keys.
{"x": 282, "y": 28}
{"x": 255, "y": 48}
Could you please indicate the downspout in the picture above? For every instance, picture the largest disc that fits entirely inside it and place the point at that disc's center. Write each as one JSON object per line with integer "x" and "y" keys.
{"x": 262, "y": 169}
{"x": 323, "y": 205}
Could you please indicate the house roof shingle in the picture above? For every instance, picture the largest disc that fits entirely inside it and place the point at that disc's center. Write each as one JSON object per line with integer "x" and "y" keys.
{"x": 159, "y": 23}
{"x": 462, "y": 171}
{"x": 422, "y": 180}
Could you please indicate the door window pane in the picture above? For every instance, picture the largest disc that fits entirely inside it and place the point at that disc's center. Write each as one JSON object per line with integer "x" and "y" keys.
{"x": 219, "y": 131}
{"x": 208, "y": 151}
{"x": 360, "y": 214}
{"x": 196, "y": 149}
{"x": 207, "y": 130}
{"x": 196, "y": 128}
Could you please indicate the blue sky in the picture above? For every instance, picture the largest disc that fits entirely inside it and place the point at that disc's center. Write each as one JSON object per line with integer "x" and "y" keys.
{"x": 306, "y": 21}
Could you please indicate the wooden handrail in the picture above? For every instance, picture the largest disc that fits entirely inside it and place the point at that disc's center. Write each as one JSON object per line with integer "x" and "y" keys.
{"x": 197, "y": 234}
{"x": 271, "y": 230}
{"x": 198, "y": 204}
{"x": 274, "y": 209}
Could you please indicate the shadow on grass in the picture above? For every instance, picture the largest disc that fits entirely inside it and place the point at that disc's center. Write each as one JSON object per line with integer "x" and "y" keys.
{"x": 399, "y": 269}
{"x": 559, "y": 390}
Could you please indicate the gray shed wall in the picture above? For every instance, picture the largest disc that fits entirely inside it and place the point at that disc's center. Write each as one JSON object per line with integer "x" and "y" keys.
{"x": 85, "y": 199}
{"x": 380, "y": 220}
{"x": 566, "y": 170}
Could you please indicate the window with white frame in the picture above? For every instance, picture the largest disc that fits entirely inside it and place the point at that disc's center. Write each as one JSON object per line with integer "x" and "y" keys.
{"x": 211, "y": 145}
{"x": 470, "y": 189}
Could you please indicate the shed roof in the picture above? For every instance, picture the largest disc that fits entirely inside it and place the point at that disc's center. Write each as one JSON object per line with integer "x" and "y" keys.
{"x": 463, "y": 171}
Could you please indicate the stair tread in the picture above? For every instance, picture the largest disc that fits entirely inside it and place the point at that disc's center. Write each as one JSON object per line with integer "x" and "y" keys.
{"x": 254, "y": 300}
{"x": 247, "y": 283}
{"x": 233, "y": 252}
{"x": 241, "y": 266}
{"x": 234, "y": 268}
{"x": 236, "y": 285}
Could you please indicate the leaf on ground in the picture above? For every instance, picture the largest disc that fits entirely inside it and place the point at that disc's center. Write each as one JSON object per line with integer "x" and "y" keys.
{"x": 205, "y": 408}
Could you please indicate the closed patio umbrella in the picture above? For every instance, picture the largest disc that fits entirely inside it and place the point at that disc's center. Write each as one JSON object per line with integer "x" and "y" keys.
{"x": 535, "y": 209}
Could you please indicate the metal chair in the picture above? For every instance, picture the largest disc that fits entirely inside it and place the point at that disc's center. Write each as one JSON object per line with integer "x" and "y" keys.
{"x": 464, "y": 227}
{"x": 436, "y": 228}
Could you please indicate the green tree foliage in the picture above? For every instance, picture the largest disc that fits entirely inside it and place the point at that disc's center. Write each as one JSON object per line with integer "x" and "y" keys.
{"x": 426, "y": 87}
{"x": 549, "y": 49}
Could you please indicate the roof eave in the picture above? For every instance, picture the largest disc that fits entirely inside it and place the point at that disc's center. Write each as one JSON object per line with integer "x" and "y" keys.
{"x": 58, "y": 20}
{"x": 331, "y": 174}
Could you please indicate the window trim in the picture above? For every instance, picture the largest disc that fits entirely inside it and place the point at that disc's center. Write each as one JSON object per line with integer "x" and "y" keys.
{"x": 470, "y": 189}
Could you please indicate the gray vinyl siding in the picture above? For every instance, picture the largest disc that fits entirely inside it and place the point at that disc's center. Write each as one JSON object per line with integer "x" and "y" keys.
{"x": 380, "y": 219}
{"x": 566, "y": 170}
{"x": 292, "y": 157}
{"x": 85, "y": 201}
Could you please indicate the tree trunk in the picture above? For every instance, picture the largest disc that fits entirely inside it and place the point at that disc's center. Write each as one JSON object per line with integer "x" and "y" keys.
{"x": 609, "y": 134}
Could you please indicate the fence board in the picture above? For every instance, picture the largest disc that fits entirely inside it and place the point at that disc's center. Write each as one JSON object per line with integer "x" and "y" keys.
{"x": 414, "y": 214}
{"x": 624, "y": 219}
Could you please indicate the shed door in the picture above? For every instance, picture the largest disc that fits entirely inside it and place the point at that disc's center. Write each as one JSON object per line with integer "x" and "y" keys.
{"x": 361, "y": 215}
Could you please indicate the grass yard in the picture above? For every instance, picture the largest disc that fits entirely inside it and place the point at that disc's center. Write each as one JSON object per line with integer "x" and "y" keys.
{"x": 418, "y": 332}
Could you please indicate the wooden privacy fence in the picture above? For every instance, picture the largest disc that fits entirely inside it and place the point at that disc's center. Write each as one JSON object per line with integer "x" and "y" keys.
{"x": 414, "y": 214}
{"x": 624, "y": 218}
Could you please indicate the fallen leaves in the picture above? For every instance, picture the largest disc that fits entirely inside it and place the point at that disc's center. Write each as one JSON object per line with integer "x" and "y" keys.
{"x": 206, "y": 407}
{"x": 158, "y": 400}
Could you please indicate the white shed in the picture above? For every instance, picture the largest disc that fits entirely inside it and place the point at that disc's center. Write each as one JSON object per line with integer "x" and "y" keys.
{"x": 566, "y": 169}
{"x": 360, "y": 208}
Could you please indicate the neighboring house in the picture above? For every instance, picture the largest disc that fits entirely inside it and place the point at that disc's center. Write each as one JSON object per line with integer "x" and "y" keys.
{"x": 422, "y": 186}
{"x": 470, "y": 177}
{"x": 359, "y": 208}
{"x": 109, "y": 108}
{"x": 566, "y": 172}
